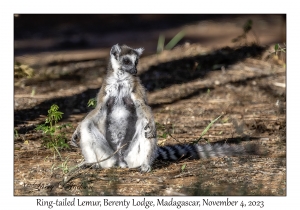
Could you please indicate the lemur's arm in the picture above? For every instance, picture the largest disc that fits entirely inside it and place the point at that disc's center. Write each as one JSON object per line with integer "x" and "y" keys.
{"x": 143, "y": 110}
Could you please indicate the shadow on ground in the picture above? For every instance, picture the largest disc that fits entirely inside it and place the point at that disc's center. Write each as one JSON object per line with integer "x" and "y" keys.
{"x": 187, "y": 69}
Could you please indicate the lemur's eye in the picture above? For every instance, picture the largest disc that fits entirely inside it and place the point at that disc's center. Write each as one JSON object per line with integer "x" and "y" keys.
{"x": 126, "y": 61}
{"x": 136, "y": 62}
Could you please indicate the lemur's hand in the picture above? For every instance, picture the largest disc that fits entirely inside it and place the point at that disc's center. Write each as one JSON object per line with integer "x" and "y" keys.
{"x": 150, "y": 130}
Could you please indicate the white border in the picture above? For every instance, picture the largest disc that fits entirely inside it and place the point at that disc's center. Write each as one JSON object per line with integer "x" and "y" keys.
{"x": 8, "y": 8}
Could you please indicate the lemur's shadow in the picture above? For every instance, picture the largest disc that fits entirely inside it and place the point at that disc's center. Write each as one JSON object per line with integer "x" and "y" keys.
{"x": 157, "y": 77}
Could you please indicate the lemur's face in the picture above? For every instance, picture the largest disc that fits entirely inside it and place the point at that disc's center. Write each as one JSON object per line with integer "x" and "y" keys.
{"x": 128, "y": 63}
{"x": 125, "y": 58}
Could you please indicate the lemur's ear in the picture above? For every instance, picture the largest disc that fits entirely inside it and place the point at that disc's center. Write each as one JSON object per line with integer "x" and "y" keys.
{"x": 139, "y": 51}
{"x": 115, "y": 51}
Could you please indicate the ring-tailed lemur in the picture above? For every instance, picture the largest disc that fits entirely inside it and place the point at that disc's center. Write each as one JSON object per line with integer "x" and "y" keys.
{"x": 121, "y": 131}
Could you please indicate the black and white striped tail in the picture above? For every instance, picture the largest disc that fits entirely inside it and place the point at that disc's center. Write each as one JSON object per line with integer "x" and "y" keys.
{"x": 197, "y": 151}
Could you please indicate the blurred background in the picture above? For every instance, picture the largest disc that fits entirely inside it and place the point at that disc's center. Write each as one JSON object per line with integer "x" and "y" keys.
{"x": 53, "y": 32}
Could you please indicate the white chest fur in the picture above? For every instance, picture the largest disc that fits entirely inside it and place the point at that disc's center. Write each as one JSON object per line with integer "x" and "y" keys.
{"x": 118, "y": 88}
{"x": 119, "y": 85}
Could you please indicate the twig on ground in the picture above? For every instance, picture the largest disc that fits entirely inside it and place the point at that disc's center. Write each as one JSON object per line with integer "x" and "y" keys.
{"x": 80, "y": 165}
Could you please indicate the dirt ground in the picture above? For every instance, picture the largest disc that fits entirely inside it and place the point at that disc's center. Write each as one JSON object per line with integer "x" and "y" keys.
{"x": 188, "y": 87}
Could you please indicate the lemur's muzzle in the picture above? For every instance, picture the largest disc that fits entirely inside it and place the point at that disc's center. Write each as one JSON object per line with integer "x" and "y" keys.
{"x": 132, "y": 71}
